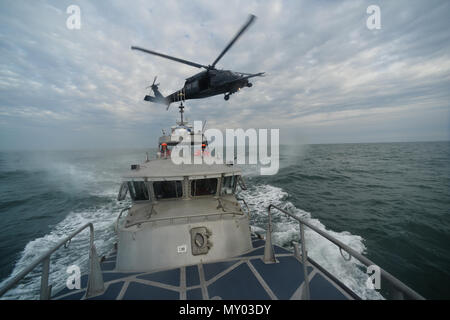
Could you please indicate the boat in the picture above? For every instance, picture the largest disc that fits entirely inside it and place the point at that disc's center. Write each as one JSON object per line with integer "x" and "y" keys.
{"x": 188, "y": 236}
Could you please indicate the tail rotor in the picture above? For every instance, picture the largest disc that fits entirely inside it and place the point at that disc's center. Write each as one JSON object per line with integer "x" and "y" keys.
{"x": 158, "y": 97}
{"x": 154, "y": 86}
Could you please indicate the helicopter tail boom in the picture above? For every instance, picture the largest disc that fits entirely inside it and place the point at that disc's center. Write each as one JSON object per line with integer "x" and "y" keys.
{"x": 160, "y": 100}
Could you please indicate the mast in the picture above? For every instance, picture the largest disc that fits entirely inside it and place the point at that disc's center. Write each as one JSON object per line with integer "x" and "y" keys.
{"x": 181, "y": 107}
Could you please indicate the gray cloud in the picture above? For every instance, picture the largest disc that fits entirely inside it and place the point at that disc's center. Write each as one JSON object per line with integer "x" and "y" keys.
{"x": 329, "y": 78}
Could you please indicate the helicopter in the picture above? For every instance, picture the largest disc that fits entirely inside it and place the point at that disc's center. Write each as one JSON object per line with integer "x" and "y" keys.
{"x": 207, "y": 83}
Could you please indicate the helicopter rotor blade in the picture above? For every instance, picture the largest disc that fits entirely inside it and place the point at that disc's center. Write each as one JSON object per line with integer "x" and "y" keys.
{"x": 154, "y": 80}
{"x": 190, "y": 63}
{"x": 241, "y": 31}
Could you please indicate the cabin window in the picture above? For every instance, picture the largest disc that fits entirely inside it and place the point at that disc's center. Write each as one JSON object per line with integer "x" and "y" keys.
{"x": 229, "y": 184}
{"x": 167, "y": 189}
{"x": 204, "y": 187}
{"x": 138, "y": 190}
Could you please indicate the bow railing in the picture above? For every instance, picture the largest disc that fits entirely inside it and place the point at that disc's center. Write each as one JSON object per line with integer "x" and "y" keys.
{"x": 95, "y": 278}
{"x": 400, "y": 291}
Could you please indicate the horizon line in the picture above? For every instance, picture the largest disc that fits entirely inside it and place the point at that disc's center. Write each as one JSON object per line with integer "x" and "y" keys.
{"x": 148, "y": 147}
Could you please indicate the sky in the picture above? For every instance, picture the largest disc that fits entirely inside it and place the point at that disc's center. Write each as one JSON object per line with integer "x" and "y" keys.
{"x": 329, "y": 78}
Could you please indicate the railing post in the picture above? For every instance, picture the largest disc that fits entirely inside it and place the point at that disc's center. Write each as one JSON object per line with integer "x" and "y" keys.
{"x": 296, "y": 250}
{"x": 95, "y": 279}
{"x": 269, "y": 256}
{"x": 304, "y": 261}
{"x": 45, "y": 288}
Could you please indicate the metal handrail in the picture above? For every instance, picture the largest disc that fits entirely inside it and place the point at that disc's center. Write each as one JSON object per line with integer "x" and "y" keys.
{"x": 116, "y": 227}
{"x": 401, "y": 290}
{"x": 95, "y": 278}
{"x": 241, "y": 183}
{"x": 220, "y": 199}
{"x": 185, "y": 217}
{"x": 245, "y": 202}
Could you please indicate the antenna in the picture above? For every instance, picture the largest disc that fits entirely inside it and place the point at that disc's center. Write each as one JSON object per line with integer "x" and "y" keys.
{"x": 181, "y": 107}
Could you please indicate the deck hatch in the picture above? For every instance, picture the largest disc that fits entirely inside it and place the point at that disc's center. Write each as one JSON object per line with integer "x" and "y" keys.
{"x": 200, "y": 243}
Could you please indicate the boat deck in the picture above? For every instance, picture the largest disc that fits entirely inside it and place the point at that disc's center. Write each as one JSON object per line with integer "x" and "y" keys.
{"x": 245, "y": 277}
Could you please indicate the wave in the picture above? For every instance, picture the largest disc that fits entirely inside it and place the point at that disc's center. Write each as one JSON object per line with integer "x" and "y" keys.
{"x": 77, "y": 253}
{"x": 320, "y": 249}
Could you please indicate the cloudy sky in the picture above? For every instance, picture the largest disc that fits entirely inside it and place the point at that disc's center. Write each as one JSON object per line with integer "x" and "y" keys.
{"x": 329, "y": 78}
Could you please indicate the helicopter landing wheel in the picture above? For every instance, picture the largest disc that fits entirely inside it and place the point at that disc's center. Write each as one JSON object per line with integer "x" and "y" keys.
{"x": 249, "y": 84}
{"x": 226, "y": 97}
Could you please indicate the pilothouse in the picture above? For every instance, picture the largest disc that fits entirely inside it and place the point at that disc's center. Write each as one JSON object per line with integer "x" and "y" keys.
{"x": 181, "y": 214}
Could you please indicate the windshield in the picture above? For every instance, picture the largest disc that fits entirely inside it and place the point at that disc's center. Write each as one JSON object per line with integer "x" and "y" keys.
{"x": 203, "y": 187}
{"x": 167, "y": 189}
{"x": 229, "y": 184}
{"x": 138, "y": 190}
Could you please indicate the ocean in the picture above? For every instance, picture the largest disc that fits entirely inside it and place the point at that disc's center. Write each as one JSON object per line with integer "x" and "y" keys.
{"x": 388, "y": 201}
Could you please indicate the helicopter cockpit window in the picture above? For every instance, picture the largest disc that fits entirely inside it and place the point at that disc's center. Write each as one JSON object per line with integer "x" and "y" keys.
{"x": 229, "y": 184}
{"x": 204, "y": 187}
{"x": 138, "y": 190}
{"x": 167, "y": 189}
